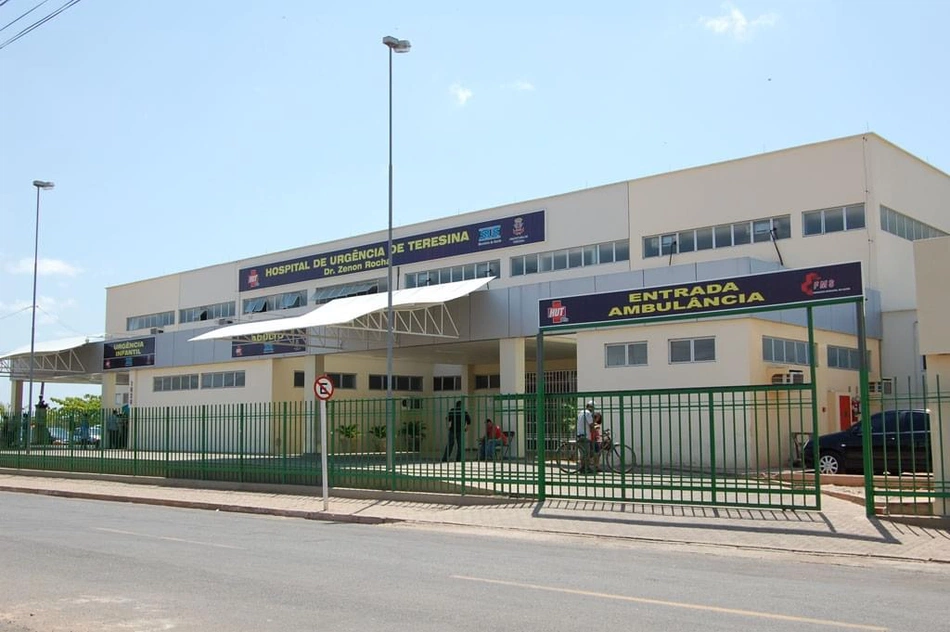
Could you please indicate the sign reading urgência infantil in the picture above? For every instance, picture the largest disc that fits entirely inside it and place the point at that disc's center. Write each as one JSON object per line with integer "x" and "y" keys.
{"x": 784, "y": 288}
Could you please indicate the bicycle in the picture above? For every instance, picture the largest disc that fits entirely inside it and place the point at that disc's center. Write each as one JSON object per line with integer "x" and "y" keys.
{"x": 615, "y": 457}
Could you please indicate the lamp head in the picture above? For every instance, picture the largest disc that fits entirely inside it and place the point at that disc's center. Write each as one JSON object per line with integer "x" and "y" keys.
{"x": 42, "y": 184}
{"x": 397, "y": 45}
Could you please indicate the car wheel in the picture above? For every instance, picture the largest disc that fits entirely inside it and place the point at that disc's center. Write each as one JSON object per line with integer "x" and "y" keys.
{"x": 829, "y": 463}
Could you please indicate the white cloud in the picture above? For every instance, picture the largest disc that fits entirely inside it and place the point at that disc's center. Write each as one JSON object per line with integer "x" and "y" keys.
{"x": 45, "y": 267}
{"x": 733, "y": 22}
{"x": 461, "y": 93}
{"x": 520, "y": 85}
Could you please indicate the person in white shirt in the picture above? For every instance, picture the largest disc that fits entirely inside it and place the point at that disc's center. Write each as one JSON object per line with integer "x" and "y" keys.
{"x": 585, "y": 423}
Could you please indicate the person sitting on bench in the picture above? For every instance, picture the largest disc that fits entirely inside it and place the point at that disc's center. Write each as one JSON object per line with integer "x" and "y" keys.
{"x": 494, "y": 437}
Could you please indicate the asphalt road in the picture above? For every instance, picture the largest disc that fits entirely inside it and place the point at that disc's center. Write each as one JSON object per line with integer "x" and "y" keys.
{"x": 82, "y": 565}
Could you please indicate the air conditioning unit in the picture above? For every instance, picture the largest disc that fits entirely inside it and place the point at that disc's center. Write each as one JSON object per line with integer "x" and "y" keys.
{"x": 225, "y": 321}
{"x": 792, "y": 377}
{"x": 883, "y": 387}
{"x": 156, "y": 330}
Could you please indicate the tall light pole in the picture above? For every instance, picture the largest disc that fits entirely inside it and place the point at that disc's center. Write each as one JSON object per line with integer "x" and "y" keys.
{"x": 395, "y": 46}
{"x": 39, "y": 184}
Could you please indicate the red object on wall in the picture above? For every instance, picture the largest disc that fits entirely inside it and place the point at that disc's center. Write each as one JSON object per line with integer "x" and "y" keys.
{"x": 844, "y": 411}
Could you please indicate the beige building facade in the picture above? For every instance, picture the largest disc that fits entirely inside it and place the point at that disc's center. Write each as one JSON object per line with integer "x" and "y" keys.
{"x": 855, "y": 199}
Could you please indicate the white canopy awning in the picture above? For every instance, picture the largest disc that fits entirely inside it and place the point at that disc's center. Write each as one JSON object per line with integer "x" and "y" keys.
{"x": 411, "y": 307}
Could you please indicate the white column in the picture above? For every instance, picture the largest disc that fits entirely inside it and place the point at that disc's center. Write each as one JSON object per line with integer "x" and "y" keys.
{"x": 16, "y": 397}
{"x": 511, "y": 364}
{"x": 313, "y": 367}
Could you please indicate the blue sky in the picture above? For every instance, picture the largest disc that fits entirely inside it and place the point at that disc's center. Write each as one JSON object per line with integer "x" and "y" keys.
{"x": 182, "y": 134}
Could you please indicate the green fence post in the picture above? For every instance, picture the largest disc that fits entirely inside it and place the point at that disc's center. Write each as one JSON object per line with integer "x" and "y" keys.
{"x": 814, "y": 409}
{"x": 283, "y": 442}
{"x": 865, "y": 409}
{"x": 539, "y": 414}
{"x": 712, "y": 448}
{"x": 167, "y": 441}
{"x": 204, "y": 442}
{"x": 242, "y": 442}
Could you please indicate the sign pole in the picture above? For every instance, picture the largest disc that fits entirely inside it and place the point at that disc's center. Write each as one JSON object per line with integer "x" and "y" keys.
{"x": 323, "y": 454}
{"x": 323, "y": 389}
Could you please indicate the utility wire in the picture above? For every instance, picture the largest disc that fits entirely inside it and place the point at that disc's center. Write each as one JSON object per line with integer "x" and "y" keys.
{"x": 23, "y": 16}
{"x": 14, "y": 313}
{"x": 62, "y": 324}
{"x": 39, "y": 23}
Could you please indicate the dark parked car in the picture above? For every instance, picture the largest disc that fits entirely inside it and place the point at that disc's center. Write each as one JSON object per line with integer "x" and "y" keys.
{"x": 900, "y": 442}
{"x": 87, "y": 437}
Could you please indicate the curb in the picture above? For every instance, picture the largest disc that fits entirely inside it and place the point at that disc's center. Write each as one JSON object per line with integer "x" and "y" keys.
{"x": 190, "y": 504}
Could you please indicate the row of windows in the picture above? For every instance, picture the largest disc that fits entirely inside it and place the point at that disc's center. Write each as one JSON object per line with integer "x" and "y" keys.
{"x": 722, "y": 236}
{"x": 845, "y": 358}
{"x": 447, "y": 383}
{"x": 906, "y": 227}
{"x": 149, "y": 321}
{"x": 483, "y": 382}
{"x": 326, "y": 294}
{"x": 190, "y": 382}
{"x": 454, "y": 273}
{"x": 782, "y": 351}
{"x": 340, "y": 380}
{"x": 777, "y": 350}
{"x": 400, "y": 383}
{"x": 274, "y": 302}
{"x": 597, "y": 254}
{"x": 206, "y": 312}
{"x": 680, "y": 351}
{"x": 833, "y": 220}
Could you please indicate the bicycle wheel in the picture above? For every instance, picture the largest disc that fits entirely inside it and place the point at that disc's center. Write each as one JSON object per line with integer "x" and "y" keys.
{"x": 568, "y": 457}
{"x": 621, "y": 459}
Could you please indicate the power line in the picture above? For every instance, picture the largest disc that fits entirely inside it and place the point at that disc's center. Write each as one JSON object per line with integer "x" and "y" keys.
{"x": 39, "y": 23}
{"x": 14, "y": 313}
{"x": 24, "y": 15}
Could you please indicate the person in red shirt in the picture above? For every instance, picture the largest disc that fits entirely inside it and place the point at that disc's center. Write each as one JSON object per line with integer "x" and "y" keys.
{"x": 494, "y": 436}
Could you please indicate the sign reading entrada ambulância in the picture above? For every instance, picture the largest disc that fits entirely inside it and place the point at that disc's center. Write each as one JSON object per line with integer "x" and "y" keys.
{"x": 785, "y": 288}
{"x": 505, "y": 232}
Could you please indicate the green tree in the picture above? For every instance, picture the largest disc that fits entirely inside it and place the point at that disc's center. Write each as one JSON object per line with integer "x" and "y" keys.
{"x": 86, "y": 404}
{"x": 4, "y": 410}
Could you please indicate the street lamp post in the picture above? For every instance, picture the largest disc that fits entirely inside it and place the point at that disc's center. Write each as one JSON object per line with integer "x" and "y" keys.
{"x": 39, "y": 184}
{"x": 395, "y": 46}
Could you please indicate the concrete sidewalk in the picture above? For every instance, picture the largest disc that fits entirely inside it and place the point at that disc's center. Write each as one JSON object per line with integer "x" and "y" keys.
{"x": 840, "y": 529}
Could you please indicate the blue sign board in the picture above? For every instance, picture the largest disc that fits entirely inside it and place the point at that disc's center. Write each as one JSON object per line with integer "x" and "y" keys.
{"x": 785, "y": 288}
{"x": 505, "y": 232}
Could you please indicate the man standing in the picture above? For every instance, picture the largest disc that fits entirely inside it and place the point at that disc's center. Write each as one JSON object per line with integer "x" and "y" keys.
{"x": 585, "y": 423}
{"x": 455, "y": 416}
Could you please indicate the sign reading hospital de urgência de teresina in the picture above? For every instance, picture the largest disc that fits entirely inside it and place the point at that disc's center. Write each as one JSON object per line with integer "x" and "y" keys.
{"x": 504, "y": 232}
{"x": 771, "y": 290}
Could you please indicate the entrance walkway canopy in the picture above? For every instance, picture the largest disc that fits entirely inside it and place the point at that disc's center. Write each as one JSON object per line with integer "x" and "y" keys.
{"x": 70, "y": 360}
{"x": 419, "y": 311}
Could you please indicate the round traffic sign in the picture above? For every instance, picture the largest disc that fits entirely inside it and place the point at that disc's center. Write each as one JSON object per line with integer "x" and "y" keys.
{"x": 323, "y": 387}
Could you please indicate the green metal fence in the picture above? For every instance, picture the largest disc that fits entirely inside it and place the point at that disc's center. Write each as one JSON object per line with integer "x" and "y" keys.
{"x": 714, "y": 446}
{"x": 907, "y": 443}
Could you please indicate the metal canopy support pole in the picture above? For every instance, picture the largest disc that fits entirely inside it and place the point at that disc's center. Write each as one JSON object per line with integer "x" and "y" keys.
{"x": 814, "y": 405}
{"x": 539, "y": 414}
{"x": 865, "y": 409}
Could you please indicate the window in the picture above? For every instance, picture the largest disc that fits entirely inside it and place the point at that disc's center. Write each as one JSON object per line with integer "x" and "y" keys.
{"x": 150, "y": 321}
{"x": 845, "y": 358}
{"x": 326, "y": 294}
{"x": 223, "y": 379}
{"x": 175, "y": 383}
{"x": 483, "y": 382}
{"x": 722, "y": 236}
{"x": 287, "y": 300}
{"x": 400, "y": 383}
{"x": 906, "y": 227}
{"x": 627, "y": 354}
{"x": 462, "y": 273}
{"x": 608, "y": 252}
{"x": 206, "y": 312}
{"x": 298, "y": 379}
{"x": 692, "y": 350}
{"x": 833, "y": 220}
{"x": 781, "y": 351}
{"x": 343, "y": 380}
{"x": 447, "y": 383}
